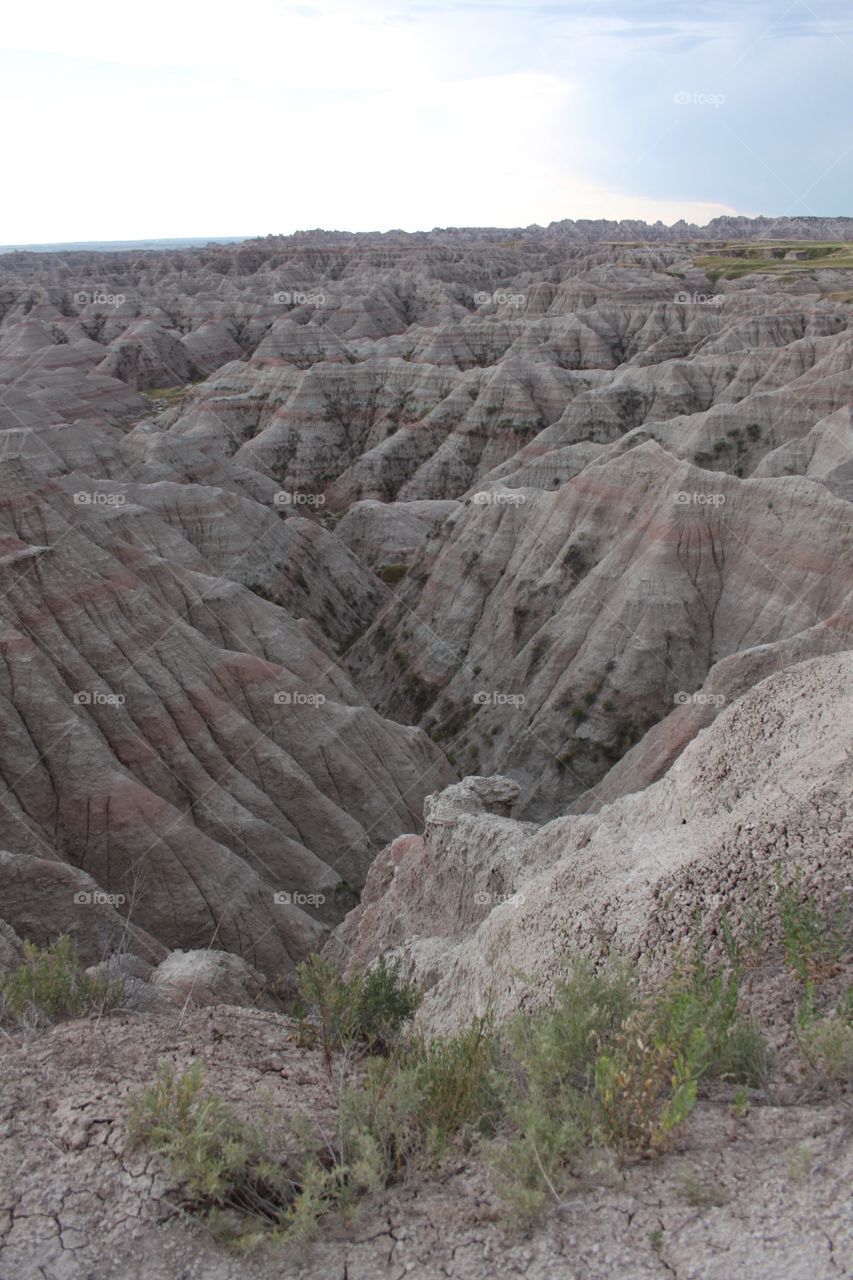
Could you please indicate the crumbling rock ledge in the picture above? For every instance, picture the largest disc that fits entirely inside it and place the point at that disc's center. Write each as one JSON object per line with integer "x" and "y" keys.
{"x": 481, "y": 900}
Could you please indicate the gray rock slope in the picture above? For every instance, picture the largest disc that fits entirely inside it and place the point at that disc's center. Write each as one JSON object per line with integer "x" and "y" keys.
{"x": 294, "y": 532}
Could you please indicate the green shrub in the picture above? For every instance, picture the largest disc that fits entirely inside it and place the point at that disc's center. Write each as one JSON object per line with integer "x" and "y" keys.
{"x": 746, "y": 947}
{"x": 827, "y": 1041}
{"x": 609, "y": 1068}
{"x": 828, "y": 1044}
{"x": 225, "y": 1171}
{"x": 214, "y": 1159}
{"x": 647, "y": 1077}
{"x": 698, "y": 999}
{"x": 51, "y": 984}
{"x": 370, "y": 1007}
{"x": 384, "y": 1002}
{"x": 813, "y": 944}
{"x": 549, "y": 1076}
{"x": 459, "y": 1080}
{"x": 413, "y": 1102}
{"x": 645, "y": 1088}
{"x": 557, "y": 1047}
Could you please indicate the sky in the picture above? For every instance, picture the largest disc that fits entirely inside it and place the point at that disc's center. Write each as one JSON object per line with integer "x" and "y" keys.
{"x": 179, "y": 118}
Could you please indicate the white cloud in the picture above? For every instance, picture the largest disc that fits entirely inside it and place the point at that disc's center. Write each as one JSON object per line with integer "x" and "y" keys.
{"x": 181, "y": 119}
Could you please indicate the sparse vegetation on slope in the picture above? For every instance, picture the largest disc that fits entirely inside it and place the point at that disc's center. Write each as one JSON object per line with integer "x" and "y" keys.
{"x": 812, "y": 941}
{"x": 608, "y": 1068}
{"x": 550, "y": 1103}
{"x": 52, "y": 985}
{"x": 612, "y": 1068}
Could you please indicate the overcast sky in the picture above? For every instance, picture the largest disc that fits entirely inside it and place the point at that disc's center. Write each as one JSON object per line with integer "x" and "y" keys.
{"x": 178, "y": 118}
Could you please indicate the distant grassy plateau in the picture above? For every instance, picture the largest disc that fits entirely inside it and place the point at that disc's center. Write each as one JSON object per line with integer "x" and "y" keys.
{"x": 735, "y": 259}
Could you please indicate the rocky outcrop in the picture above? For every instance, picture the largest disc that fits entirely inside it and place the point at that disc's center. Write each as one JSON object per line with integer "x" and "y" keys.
{"x": 210, "y": 978}
{"x": 386, "y": 535}
{"x": 484, "y": 910}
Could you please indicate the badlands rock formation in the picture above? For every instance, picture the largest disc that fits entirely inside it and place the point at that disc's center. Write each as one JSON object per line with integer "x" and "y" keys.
{"x": 484, "y": 909}
{"x": 298, "y": 531}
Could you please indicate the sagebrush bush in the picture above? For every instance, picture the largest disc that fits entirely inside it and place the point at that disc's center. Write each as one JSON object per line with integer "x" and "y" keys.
{"x": 218, "y": 1162}
{"x": 370, "y": 1006}
{"x": 607, "y": 1067}
{"x": 51, "y": 985}
{"x": 412, "y": 1103}
{"x": 813, "y": 943}
{"x": 216, "y": 1158}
